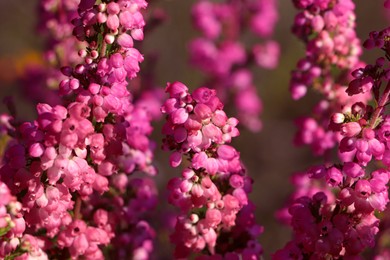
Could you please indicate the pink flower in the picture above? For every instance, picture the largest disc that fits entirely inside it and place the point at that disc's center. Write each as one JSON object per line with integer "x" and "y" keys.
{"x": 350, "y": 129}
{"x": 353, "y": 170}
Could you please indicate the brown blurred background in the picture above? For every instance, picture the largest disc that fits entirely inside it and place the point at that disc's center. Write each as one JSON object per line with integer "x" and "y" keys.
{"x": 269, "y": 155}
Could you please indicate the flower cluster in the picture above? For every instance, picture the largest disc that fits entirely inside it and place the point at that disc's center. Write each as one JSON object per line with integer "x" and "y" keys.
{"x": 137, "y": 236}
{"x": 345, "y": 223}
{"x": 55, "y": 22}
{"x": 13, "y": 243}
{"x": 304, "y": 185}
{"x": 223, "y": 57}
{"x": 328, "y": 30}
{"x": 73, "y": 153}
{"x": 332, "y": 51}
{"x": 212, "y": 191}
{"x": 126, "y": 214}
{"x": 342, "y": 227}
{"x": 76, "y": 182}
{"x": 40, "y": 82}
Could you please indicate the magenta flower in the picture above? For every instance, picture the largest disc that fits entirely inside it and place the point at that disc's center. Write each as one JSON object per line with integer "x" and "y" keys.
{"x": 213, "y": 189}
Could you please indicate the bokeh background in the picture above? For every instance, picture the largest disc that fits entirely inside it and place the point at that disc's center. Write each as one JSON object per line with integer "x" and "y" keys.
{"x": 269, "y": 155}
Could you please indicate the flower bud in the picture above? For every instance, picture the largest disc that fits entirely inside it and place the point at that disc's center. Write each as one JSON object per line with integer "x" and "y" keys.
{"x": 350, "y": 129}
{"x": 338, "y": 118}
{"x": 109, "y": 38}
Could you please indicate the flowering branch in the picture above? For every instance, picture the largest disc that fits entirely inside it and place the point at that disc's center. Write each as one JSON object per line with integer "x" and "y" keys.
{"x": 344, "y": 222}
{"x": 212, "y": 191}
{"x": 73, "y": 152}
{"x": 332, "y": 53}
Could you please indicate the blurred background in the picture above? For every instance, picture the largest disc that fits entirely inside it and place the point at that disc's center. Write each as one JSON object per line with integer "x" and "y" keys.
{"x": 269, "y": 156}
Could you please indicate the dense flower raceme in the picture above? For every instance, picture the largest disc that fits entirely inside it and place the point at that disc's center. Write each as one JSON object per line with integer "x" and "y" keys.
{"x": 339, "y": 220}
{"x": 126, "y": 213}
{"x": 359, "y": 141}
{"x": 63, "y": 49}
{"x": 328, "y": 30}
{"x": 101, "y": 82}
{"x": 55, "y": 22}
{"x": 332, "y": 52}
{"x": 342, "y": 226}
{"x": 12, "y": 227}
{"x": 221, "y": 54}
{"x": 84, "y": 150}
{"x": 65, "y": 184}
{"x": 215, "y": 212}
{"x": 40, "y": 81}
{"x": 347, "y": 225}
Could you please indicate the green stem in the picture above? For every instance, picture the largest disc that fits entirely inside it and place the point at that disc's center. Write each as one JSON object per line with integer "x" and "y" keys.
{"x": 382, "y": 102}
